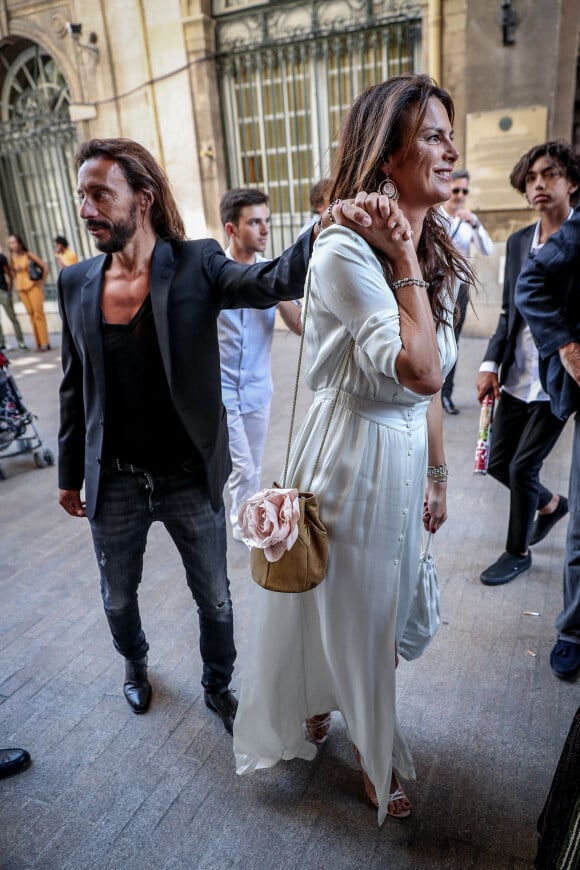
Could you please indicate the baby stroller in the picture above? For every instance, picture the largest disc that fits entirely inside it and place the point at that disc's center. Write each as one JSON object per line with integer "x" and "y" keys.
{"x": 18, "y": 434}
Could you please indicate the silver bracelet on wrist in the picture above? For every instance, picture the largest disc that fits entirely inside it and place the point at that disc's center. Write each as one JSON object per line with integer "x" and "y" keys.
{"x": 408, "y": 282}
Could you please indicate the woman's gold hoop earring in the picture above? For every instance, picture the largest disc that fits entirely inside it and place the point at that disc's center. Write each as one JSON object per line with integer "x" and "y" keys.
{"x": 387, "y": 187}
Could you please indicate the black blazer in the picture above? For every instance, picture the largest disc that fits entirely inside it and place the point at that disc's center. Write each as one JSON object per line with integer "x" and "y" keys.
{"x": 190, "y": 283}
{"x": 548, "y": 295}
{"x": 501, "y": 347}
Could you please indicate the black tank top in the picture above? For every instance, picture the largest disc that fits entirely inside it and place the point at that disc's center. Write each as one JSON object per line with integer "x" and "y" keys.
{"x": 141, "y": 424}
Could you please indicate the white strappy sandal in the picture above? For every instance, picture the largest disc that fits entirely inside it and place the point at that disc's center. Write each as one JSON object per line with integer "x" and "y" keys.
{"x": 397, "y": 795}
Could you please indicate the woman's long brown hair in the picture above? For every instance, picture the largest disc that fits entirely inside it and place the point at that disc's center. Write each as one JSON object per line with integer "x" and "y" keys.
{"x": 376, "y": 127}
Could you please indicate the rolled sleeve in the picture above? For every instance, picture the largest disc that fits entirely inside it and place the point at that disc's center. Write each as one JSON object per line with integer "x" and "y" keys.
{"x": 379, "y": 338}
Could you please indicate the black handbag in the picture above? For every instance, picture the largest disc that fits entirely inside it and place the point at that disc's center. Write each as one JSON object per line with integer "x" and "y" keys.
{"x": 35, "y": 272}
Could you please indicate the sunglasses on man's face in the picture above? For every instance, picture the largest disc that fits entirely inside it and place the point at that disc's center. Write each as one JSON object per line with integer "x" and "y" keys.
{"x": 456, "y": 190}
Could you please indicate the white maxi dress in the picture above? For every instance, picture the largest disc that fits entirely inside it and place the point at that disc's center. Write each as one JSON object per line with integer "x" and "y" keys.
{"x": 333, "y": 648}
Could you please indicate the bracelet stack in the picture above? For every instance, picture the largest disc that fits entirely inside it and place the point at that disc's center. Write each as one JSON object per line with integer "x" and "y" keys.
{"x": 438, "y": 473}
{"x": 409, "y": 282}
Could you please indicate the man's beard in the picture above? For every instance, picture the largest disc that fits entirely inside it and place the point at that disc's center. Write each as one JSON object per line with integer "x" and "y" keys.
{"x": 120, "y": 233}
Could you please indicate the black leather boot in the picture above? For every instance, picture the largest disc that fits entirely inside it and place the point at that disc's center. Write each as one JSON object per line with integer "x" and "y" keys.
{"x": 448, "y": 405}
{"x": 137, "y": 688}
{"x": 225, "y": 704}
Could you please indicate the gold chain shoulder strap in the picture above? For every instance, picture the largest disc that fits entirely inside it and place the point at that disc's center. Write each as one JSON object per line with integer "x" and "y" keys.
{"x": 344, "y": 366}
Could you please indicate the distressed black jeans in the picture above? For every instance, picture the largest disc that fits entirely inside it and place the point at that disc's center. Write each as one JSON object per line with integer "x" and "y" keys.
{"x": 127, "y": 506}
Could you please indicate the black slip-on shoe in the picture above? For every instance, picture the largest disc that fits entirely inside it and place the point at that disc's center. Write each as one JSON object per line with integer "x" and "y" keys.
{"x": 544, "y": 523}
{"x": 507, "y": 568}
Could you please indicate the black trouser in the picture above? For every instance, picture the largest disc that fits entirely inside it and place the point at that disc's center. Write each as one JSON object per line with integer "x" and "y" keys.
{"x": 522, "y": 436}
{"x": 462, "y": 299}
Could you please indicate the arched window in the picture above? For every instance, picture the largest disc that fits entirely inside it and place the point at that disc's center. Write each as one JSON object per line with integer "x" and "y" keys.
{"x": 37, "y": 146}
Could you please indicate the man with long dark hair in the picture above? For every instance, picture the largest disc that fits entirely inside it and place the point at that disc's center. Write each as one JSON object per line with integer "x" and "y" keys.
{"x": 142, "y": 421}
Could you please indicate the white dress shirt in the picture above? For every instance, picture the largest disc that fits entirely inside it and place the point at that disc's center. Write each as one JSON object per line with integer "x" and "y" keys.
{"x": 245, "y": 340}
{"x": 463, "y": 235}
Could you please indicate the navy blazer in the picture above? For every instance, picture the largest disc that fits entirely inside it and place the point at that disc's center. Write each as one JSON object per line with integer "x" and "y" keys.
{"x": 548, "y": 296}
{"x": 502, "y": 344}
{"x": 190, "y": 283}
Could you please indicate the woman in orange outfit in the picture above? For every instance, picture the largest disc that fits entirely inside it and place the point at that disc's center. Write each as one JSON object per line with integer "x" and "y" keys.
{"x": 30, "y": 291}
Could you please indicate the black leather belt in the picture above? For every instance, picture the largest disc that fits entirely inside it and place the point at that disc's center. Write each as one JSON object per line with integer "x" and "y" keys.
{"x": 190, "y": 467}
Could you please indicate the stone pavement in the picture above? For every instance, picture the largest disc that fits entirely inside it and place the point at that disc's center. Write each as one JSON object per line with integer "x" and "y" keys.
{"x": 484, "y": 715}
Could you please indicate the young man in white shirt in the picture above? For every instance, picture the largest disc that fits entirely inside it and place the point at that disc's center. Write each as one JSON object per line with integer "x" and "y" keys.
{"x": 524, "y": 428}
{"x": 245, "y": 339}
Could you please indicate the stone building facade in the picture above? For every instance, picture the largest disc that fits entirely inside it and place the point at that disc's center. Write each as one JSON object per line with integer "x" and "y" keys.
{"x": 251, "y": 92}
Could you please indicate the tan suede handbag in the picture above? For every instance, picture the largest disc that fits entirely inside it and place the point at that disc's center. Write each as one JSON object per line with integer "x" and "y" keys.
{"x": 305, "y": 564}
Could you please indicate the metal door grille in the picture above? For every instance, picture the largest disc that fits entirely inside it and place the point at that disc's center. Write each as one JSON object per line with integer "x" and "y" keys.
{"x": 284, "y": 95}
{"x": 37, "y": 147}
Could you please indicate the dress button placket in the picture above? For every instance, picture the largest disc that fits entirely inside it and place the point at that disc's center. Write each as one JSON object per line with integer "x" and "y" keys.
{"x": 405, "y": 510}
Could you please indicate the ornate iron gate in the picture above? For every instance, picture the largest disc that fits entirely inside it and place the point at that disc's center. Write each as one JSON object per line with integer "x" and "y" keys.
{"x": 37, "y": 146}
{"x": 288, "y": 72}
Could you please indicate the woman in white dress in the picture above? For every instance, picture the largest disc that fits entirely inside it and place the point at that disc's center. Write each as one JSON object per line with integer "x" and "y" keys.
{"x": 333, "y": 648}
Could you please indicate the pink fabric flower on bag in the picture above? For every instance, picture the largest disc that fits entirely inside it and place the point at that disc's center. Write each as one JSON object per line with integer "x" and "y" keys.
{"x": 269, "y": 521}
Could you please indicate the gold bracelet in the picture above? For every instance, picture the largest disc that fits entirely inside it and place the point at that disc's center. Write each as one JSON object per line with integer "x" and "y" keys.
{"x": 441, "y": 472}
{"x": 409, "y": 282}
